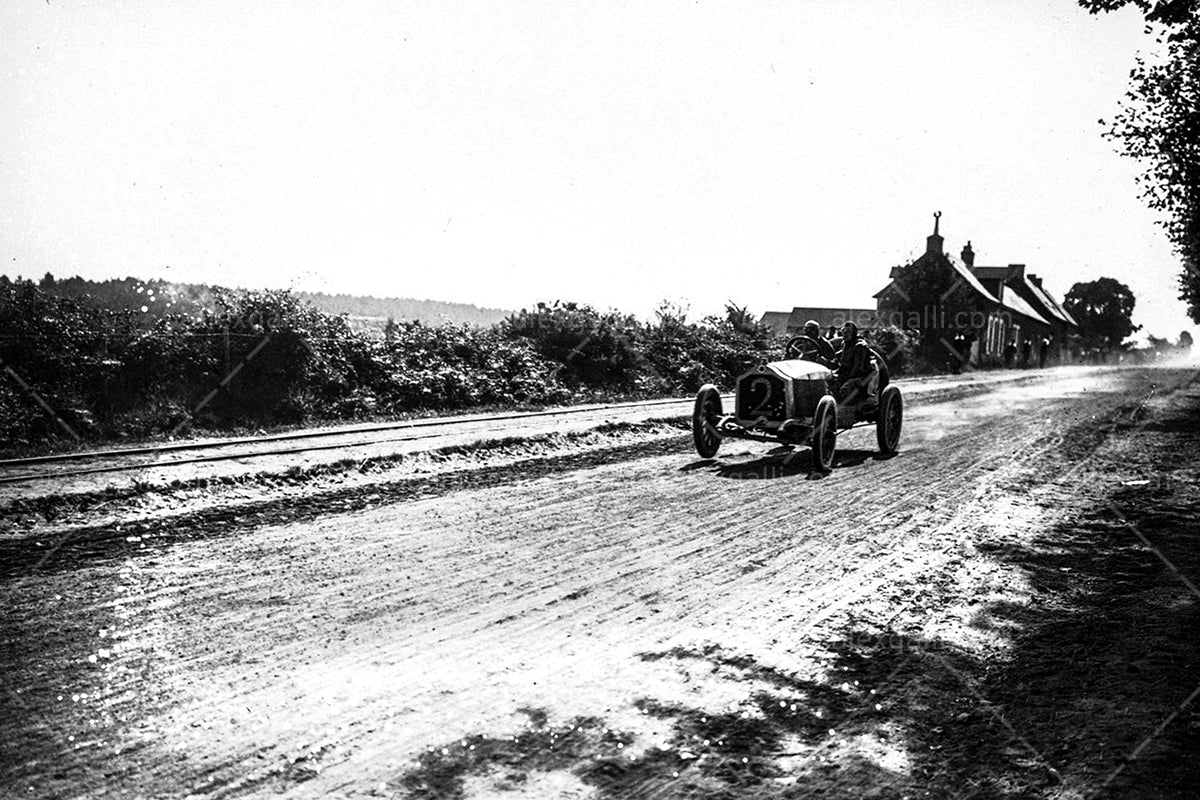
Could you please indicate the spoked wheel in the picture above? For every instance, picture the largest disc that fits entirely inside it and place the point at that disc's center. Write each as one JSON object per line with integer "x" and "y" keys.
{"x": 707, "y": 413}
{"x": 890, "y": 420}
{"x": 824, "y": 434}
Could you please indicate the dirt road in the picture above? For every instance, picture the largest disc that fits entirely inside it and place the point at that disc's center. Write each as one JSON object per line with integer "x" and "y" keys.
{"x": 161, "y": 464}
{"x": 604, "y": 616}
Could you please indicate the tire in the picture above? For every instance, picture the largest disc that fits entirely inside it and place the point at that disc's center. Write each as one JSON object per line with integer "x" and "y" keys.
{"x": 889, "y": 420}
{"x": 704, "y": 421}
{"x": 824, "y": 434}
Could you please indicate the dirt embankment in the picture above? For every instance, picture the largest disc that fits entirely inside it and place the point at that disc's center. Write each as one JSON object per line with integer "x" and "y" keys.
{"x": 1005, "y": 609}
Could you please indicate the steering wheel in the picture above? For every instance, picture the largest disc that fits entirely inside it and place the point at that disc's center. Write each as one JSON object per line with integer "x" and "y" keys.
{"x": 801, "y": 347}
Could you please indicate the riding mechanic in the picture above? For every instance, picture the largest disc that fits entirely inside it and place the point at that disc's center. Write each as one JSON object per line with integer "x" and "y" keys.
{"x": 856, "y": 369}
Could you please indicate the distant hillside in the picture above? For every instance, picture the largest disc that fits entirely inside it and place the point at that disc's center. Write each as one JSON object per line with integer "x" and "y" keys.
{"x": 159, "y": 297}
{"x": 155, "y": 297}
{"x": 431, "y": 312}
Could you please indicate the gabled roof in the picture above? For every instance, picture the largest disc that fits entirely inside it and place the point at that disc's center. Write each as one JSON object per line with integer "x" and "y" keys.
{"x": 883, "y": 291}
{"x": 961, "y": 272}
{"x": 1052, "y": 304}
{"x": 991, "y": 273}
{"x": 1049, "y": 306}
{"x": 1015, "y": 302}
{"x": 969, "y": 277}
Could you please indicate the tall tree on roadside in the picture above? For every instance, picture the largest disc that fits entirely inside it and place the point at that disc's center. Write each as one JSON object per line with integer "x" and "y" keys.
{"x": 1159, "y": 124}
{"x": 1103, "y": 309}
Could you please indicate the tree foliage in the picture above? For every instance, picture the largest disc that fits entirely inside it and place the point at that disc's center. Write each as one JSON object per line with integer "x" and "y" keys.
{"x": 249, "y": 359}
{"x": 597, "y": 350}
{"x": 1159, "y": 124}
{"x": 1103, "y": 309}
{"x": 254, "y": 358}
{"x": 930, "y": 296}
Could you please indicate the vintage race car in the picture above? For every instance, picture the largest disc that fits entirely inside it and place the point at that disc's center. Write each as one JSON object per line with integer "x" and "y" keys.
{"x": 792, "y": 401}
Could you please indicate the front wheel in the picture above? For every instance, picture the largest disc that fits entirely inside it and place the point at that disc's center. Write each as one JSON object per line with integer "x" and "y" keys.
{"x": 889, "y": 420}
{"x": 824, "y": 434}
{"x": 707, "y": 413}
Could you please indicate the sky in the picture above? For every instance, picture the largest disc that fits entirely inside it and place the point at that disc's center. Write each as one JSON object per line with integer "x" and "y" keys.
{"x": 502, "y": 153}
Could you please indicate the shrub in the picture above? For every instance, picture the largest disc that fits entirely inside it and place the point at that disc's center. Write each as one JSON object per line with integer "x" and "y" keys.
{"x": 898, "y": 347}
{"x": 262, "y": 358}
{"x": 449, "y": 367}
{"x": 593, "y": 350}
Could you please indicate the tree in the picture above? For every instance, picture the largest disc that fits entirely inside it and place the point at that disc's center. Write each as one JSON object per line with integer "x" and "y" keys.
{"x": 1159, "y": 124}
{"x": 599, "y": 351}
{"x": 930, "y": 296}
{"x": 1185, "y": 341}
{"x": 1103, "y": 309}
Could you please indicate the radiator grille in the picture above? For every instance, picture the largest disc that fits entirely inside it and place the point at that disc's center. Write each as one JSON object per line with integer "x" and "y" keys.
{"x": 762, "y": 395}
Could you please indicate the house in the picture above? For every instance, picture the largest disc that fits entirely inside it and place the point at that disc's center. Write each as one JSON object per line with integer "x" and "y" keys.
{"x": 777, "y": 321}
{"x": 791, "y": 323}
{"x": 975, "y": 314}
{"x": 1062, "y": 342}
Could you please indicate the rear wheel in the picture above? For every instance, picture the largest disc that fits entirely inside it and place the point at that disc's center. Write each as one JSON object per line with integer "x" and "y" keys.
{"x": 889, "y": 420}
{"x": 707, "y": 413}
{"x": 824, "y": 434}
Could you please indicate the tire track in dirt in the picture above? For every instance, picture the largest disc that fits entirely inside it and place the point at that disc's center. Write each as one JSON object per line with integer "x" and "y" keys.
{"x": 411, "y": 600}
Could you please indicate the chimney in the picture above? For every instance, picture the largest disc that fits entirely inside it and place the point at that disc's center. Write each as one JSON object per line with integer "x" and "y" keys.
{"x": 1016, "y": 270}
{"x": 933, "y": 244}
{"x": 968, "y": 255}
{"x": 1035, "y": 280}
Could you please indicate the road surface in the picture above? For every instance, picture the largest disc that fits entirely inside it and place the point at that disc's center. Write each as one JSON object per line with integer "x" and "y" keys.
{"x": 566, "y": 625}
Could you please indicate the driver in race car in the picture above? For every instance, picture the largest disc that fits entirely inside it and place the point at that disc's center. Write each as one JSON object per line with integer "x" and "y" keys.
{"x": 856, "y": 370}
{"x": 824, "y": 350}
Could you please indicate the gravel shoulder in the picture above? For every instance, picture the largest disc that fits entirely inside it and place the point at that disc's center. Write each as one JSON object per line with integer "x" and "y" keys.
{"x": 1004, "y": 609}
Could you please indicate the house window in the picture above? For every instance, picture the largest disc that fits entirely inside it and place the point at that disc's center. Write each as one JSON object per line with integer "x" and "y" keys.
{"x": 995, "y": 335}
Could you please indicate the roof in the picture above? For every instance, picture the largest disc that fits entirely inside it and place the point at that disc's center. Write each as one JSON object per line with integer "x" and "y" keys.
{"x": 960, "y": 271}
{"x": 1043, "y": 298}
{"x": 776, "y": 320}
{"x": 1015, "y": 302}
{"x": 969, "y": 277}
{"x": 991, "y": 273}
{"x": 1052, "y": 304}
{"x": 863, "y": 317}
